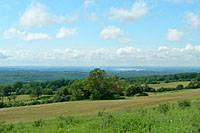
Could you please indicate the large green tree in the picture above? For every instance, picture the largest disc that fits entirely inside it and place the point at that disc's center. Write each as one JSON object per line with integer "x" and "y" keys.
{"x": 100, "y": 85}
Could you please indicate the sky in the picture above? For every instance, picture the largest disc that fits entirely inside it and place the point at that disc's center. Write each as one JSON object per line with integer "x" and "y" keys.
{"x": 100, "y": 33}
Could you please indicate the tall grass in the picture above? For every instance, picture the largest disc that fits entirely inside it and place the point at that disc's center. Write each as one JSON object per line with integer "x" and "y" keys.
{"x": 173, "y": 118}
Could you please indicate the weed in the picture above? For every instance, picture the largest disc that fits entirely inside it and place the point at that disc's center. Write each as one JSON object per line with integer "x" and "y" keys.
{"x": 184, "y": 103}
{"x": 38, "y": 123}
{"x": 101, "y": 112}
{"x": 163, "y": 108}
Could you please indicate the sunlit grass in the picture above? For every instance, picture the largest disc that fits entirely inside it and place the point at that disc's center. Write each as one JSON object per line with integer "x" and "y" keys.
{"x": 79, "y": 108}
{"x": 172, "y": 84}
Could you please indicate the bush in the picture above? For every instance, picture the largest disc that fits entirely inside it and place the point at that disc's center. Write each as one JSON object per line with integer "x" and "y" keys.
{"x": 47, "y": 101}
{"x": 164, "y": 108}
{"x": 38, "y": 123}
{"x": 2, "y": 105}
{"x": 35, "y": 102}
{"x": 108, "y": 120}
{"x": 179, "y": 87}
{"x": 142, "y": 94}
{"x": 185, "y": 103}
{"x": 101, "y": 112}
{"x": 69, "y": 120}
{"x": 119, "y": 97}
{"x": 133, "y": 89}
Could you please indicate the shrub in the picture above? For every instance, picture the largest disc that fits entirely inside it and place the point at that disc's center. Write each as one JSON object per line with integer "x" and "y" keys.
{"x": 2, "y": 105}
{"x": 60, "y": 124}
{"x": 8, "y": 105}
{"x": 9, "y": 127}
{"x": 164, "y": 108}
{"x": 35, "y": 102}
{"x": 101, "y": 112}
{"x": 133, "y": 89}
{"x": 185, "y": 103}
{"x": 142, "y": 94}
{"x": 108, "y": 120}
{"x": 38, "y": 123}
{"x": 69, "y": 120}
{"x": 2, "y": 126}
{"x": 47, "y": 101}
{"x": 179, "y": 87}
{"x": 119, "y": 97}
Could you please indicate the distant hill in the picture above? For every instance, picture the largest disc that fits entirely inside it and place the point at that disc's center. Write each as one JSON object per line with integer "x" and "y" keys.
{"x": 9, "y": 75}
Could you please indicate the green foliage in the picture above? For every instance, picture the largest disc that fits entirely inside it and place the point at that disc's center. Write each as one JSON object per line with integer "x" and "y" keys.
{"x": 77, "y": 91}
{"x": 34, "y": 102}
{"x": 97, "y": 86}
{"x": 147, "y": 88}
{"x": 102, "y": 86}
{"x": 164, "y": 118}
{"x": 38, "y": 123}
{"x": 6, "y": 127}
{"x": 184, "y": 103}
{"x": 179, "y": 87}
{"x": 131, "y": 90}
{"x": 2, "y": 105}
{"x": 101, "y": 112}
{"x": 194, "y": 85}
{"x": 47, "y": 91}
{"x": 141, "y": 94}
{"x": 164, "y": 108}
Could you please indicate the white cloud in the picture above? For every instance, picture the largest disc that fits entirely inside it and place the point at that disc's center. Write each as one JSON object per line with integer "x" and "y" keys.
{"x": 87, "y": 3}
{"x": 12, "y": 32}
{"x": 139, "y": 10}
{"x": 64, "y": 33}
{"x": 15, "y": 33}
{"x": 192, "y": 20}
{"x": 35, "y": 36}
{"x": 127, "y": 50}
{"x": 122, "y": 56}
{"x": 162, "y": 48}
{"x": 174, "y": 35}
{"x": 36, "y": 16}
{"x": 66, "y": 54}
{"x": 111, "y": 32}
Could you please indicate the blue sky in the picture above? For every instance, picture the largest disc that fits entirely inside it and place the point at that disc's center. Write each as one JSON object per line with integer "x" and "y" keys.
{"x": 100, "y": 33}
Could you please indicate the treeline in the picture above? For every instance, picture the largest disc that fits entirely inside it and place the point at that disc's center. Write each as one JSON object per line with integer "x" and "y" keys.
{"x": 97, "y": 86}
{"x": 11, "y": 76}
{"x": 157, "y": 79}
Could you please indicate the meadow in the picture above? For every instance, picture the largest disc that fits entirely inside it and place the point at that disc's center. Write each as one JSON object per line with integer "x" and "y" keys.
{"x": 18, "y": 98}
{"x": 182, "y": 116}
{"x": 87, "y": 107}
{"x": 169, "y": 85}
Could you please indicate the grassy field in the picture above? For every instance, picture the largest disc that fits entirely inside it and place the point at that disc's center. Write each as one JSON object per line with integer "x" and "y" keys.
{"x": 77, "y": 108}
{"x": 181, "y": 117}
{"x": 19, "y": 98}
{"x": 172, "y": 84}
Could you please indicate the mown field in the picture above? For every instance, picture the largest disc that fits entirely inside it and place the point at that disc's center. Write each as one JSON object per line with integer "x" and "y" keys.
{"x": 79, "y": 108}
{"x": 179, "y": 117}
{"x": 168, "y": 85}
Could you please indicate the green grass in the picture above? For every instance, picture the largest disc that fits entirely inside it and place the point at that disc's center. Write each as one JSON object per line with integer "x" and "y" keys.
{"x": 19, "y": 98}
{"x": 172, "y": 84}
{"x": 80, "y": 108}
{"x": 162, "y": 119}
